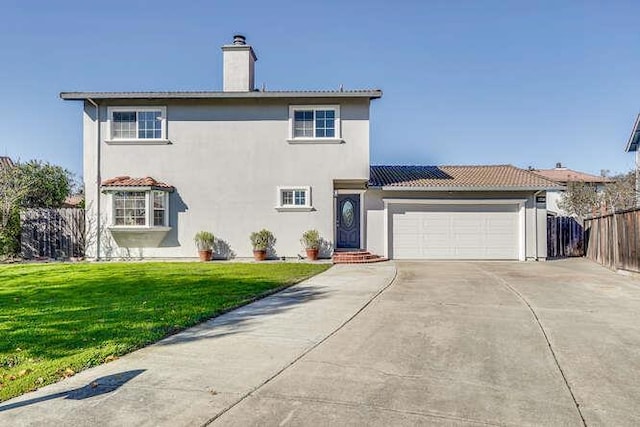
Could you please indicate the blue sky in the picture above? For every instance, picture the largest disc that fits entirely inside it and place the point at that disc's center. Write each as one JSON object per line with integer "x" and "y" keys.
{"x": 465, "y": 82}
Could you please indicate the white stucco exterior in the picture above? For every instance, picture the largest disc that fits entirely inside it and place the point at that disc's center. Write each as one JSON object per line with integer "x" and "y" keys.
{"x": 226, "y": 160}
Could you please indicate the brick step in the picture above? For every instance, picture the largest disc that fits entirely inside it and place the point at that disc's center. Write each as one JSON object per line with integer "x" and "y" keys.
{"x": 361, "y": 256}
{"x": 356, "y": 257}
{"x": 361, "y": 261}
{"x": 347, "y": 252}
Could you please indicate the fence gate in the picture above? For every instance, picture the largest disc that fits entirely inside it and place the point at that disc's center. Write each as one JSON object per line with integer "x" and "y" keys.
{"x": 52, "y": 233}
{"x": 565, "y": 237}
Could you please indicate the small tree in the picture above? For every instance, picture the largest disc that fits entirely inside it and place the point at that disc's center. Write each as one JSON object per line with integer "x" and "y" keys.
{"x": 580, "y": 199}
{"x": 14, "y": 187}
{"x": 621, "y": 192}
{"x": 50, "y": 184}
{"x": 34, "y": 184}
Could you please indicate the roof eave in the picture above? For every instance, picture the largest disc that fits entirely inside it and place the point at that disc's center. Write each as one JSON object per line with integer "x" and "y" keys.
{"x": 467, "y": 188}
{"x": 634, "y": 138}
{"x": 81, "y": 96}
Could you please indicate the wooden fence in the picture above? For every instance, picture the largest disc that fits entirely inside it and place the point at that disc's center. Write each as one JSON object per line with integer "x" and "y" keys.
{"x": 565, "y": 237}
{"x": 52, "y": 233}
{"x": 613, "y": 240}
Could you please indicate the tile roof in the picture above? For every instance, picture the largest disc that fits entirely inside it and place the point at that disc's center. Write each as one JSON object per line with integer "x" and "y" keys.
{"x": 127, "y": 181}
{"x": 73, "y": 201}
{"x": 473, "y": 178}
{"x": 563, "y": 175}
{"x": 356, "y": 93}
{"x": 5, "y": 161}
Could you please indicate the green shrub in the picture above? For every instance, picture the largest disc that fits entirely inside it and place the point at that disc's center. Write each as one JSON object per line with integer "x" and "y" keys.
{"x": 262, "y": 240}
{"x": 311, "y": 239}
{"x": 204, "y": 240}
{"x": 10, "y": 236}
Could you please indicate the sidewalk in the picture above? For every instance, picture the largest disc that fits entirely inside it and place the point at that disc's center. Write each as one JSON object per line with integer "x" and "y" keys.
{"x": 191, "y": 377}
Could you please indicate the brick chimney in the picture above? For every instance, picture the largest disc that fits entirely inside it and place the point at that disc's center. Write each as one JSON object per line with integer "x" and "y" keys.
{"x": 239, "y": 63}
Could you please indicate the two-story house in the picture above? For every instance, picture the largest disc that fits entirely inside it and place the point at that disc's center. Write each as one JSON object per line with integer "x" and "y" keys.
{"x": 161, "y": 166}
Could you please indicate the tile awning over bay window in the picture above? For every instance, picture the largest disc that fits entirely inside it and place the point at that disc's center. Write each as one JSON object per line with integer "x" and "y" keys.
{"x": 129, "y": 183}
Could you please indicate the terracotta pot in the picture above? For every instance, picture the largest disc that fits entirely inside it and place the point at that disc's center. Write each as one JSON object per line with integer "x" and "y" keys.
{"x": 260, "y": 255}
{"x": 205, "y": 255}
{"x": 312, "y": 254}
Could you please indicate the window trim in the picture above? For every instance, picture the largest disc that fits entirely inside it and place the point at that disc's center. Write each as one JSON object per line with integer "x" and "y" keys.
{"x": 150, "y": 141}
{"x": 301, "y": 208}
{"x": 149, "y": 210}
{"x": 337, "y": 139}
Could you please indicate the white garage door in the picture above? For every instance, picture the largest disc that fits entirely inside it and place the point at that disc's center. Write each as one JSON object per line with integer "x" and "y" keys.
{"x": 425, "y": 231}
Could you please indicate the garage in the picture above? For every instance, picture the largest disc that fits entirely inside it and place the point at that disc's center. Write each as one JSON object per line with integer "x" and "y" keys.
{"x": 432, "y": 229}
{"x": 483, "y": 212}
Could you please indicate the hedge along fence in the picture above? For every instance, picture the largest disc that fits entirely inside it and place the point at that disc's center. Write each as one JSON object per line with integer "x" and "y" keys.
{"x": 613, "y": 239}
{"x": 52, "y": 233}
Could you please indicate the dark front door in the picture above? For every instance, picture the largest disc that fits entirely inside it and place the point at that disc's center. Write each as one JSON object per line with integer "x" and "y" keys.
{"x": 348, "y": 221}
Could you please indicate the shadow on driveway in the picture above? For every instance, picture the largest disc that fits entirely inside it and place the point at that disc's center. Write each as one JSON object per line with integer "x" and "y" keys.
{"x": 96, "y": 387}
{"x": 238, "y": 320}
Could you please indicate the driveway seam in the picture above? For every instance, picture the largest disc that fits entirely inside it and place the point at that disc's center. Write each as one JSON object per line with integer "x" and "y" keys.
{"x": 544, "y": 334}
{"x": 305, "y": 352}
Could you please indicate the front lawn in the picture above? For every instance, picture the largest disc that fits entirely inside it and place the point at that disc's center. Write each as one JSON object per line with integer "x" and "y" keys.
{"x": 57, "y": 319}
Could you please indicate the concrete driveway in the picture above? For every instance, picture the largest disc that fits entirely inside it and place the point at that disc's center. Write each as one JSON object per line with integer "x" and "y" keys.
{"x": 452, "y": 343}
{"x": 445, "y": 343}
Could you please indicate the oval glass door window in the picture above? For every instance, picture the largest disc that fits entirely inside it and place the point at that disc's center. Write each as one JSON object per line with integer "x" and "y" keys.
{"x": 347, "y": 214}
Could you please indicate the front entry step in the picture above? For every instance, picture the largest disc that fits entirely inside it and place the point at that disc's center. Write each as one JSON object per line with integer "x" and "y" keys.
{"x": 356, "y": 257}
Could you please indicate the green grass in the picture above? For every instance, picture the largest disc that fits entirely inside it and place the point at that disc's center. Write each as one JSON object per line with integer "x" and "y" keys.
{"x": 57, "y": 319}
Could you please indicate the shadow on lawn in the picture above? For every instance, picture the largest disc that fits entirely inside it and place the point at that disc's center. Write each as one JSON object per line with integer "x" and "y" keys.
{"x": 240, "y": 319}
{"x": 96, "y": 387}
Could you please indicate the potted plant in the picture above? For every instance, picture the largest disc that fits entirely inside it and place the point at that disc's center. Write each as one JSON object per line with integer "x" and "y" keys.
{"x": 311, "y": 241}
{"x": 262, "y": 241}
{"x": 204, "y": 242}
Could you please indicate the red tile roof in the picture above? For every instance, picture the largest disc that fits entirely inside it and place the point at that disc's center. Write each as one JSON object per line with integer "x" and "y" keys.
{"x": 73, "y": 201}
{"x": 127, "y": 181}
{"x": 563, "y": 175}
{"x": 458, "y": 177}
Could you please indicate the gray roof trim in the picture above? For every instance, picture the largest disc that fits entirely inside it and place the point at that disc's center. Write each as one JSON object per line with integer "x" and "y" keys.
{"x": 365, "y": 93}
{"x": 467, "y": 188}
{"x": 634, "y": 139}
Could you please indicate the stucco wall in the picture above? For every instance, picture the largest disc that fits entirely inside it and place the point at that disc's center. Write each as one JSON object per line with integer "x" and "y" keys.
{"x": 553, "y": 198}
{"x": 226, "y": 160}
{"x": 375, "y": 216}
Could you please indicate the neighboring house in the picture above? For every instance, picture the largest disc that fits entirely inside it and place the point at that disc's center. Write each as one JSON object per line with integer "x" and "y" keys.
{"x": 6, "y": 162}
{"x": 161, "y": 166}
{"x": 73, "y": 201}
{"x": 563, "y": 176}
{"x": 632, "y": 146}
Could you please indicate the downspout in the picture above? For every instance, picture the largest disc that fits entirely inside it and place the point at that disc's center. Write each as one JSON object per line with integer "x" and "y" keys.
{"x": 98, "y": 177}
{"x": 535, "y": 220}
{"x": 638, "y": 178}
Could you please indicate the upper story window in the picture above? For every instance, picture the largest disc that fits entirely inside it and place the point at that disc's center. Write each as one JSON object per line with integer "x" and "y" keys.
{"x": 137, "y": 123}
{"x": 319, "y": 123}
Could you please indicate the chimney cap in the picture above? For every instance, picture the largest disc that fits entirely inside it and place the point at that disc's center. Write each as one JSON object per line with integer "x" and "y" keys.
{"x": 239, "y": 39}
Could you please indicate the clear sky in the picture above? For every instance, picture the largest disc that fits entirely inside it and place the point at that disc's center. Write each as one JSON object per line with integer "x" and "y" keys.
{"x": 465, "y": 82}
